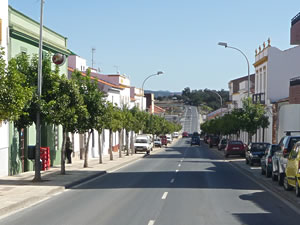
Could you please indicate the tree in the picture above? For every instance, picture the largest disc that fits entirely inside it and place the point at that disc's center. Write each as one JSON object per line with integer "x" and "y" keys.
{"x": 65, "y": 108}
{"x": 94, "y": 101}
{"x": 15, "y": 94}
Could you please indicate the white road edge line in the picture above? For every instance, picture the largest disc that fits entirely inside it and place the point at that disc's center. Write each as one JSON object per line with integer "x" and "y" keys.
{"x": 176, "y": 171}
{"x": 164, "y": 195}
{"x": 172, "y": 181}
{"x": 151, "y": 222}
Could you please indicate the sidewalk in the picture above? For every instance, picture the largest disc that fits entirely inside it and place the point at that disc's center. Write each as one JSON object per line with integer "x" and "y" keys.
{"x": 17, "y": 192}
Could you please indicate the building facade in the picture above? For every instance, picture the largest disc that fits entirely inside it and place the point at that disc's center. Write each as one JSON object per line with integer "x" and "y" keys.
{"x": 24, "y": 39}
{"x": 4, "y": 125}
{"x": 273, "y": 70}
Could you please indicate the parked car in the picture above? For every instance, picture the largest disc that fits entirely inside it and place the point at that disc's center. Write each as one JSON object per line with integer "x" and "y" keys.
{"x": 175, "y": 134}
{"x": 195, "y": 140}
{"x": 280, "y": 158}
{"x": 195, "y": 134}
{"x": 169, "y": 138}
{"x": 163, "y": 139}
{"x": 213, "y": 141}
{"x": 292, "y": 175}
{"x": 255, "y": 152}
{"x": 143, "y": 144}
{"x": 266, "y": 160}
{"x": 222, "y": 144}
{"x": 157, "y": 142}
{"x": 185, "y": 134}
{"x": 234, "y": 148}
{"x": 205, "y": 139}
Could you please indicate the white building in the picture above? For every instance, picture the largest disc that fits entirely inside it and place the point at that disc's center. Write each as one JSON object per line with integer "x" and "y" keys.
{"x": 238, "y": 91}
{"x": 273, "y": 70}
{"x": 4, "y": 126}
{"x": 137, "y": 99}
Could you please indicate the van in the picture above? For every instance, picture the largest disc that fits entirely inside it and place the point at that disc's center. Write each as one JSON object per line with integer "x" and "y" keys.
{"x": 143, "y": 144}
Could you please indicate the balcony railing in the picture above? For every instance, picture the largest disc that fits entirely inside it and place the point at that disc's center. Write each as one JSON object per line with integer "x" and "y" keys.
{"x": 259, "y": 98}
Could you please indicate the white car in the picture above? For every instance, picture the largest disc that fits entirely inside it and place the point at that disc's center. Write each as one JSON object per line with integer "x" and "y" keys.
{"x": 143, "y": 144}
{"x": 157, "y": 142}
{"x": 175, "y": 134}
{"x": 169, "y": 138}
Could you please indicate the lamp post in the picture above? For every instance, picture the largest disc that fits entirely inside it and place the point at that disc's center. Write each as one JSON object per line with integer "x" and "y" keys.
{"x": 156, "y": 74}
{"x": 37, "y": 173}
{"x": 226, "y": 46}
{"x": 221, "y": 100}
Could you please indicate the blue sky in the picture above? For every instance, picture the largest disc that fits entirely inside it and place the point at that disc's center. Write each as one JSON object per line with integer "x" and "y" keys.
{"x": 175, "y": 36}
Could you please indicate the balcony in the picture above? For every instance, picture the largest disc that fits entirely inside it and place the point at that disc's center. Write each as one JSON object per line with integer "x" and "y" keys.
{"x": 258, "y": 98}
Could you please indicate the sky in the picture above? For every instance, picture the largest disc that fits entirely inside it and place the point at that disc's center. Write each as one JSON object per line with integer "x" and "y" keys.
{"x": 178, "y": 37}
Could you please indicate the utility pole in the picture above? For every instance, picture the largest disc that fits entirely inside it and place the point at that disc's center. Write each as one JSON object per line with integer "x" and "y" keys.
{"x": 93, "y": 51}
{"x": 37, "y": 174}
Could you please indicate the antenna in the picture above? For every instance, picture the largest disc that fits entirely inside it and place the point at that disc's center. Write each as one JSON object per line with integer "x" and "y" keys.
{"x": 117, "y": 69}
{"x": 93, "y": 51}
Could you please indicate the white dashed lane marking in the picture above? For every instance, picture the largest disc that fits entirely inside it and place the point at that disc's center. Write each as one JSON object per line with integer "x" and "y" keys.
{"x": 164, "y": 195}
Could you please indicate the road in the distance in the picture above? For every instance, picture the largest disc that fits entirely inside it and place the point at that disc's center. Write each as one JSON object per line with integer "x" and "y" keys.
{"x": 191, "y": 120}
{"x": 181, "y": 185}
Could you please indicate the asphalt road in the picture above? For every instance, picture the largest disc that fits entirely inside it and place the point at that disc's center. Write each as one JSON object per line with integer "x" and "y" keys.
{"x": 181, "y": 185}
{"x": 191, "y": 120}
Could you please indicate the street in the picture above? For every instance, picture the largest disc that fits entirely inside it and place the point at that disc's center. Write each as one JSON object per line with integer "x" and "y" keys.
{"x": 191, "y": 120}
{"x": 180, "y": 185}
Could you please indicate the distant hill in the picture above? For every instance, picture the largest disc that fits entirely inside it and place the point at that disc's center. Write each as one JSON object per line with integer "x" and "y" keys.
{"x": 162, "y": 93}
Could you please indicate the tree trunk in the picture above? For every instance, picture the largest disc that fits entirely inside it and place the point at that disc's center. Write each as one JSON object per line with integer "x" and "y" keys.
{"x": 100, "y": 146}
{"x": 110, "y": 145}
{"x": 86, "y": 152}
{"x": 21, "y": 147}
{"x": 131, "y": 143}
{"x": 127, "y": 143}
{"x": 263, "y": 137}
{"x": 120, "y": 143}
{"x": 63, "y": 150}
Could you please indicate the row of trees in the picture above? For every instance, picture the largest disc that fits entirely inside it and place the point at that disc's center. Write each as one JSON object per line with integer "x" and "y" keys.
{"x": 249, "y": 119}
{"x": 205, "y": 97}
{"x": 75, "y": 103}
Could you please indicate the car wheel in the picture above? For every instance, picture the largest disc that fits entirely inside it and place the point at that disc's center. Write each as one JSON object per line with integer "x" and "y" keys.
{"x": 263, "y": 172}
{"x": 297, "y": 188}
{"x": 135, "y": 151}
{"x": 274, "y": 176}
{"x": 280, "y": 178}
{"x": 247, "y": 161}
{"x": 226, "y": 155}
{"x": 286, "y": 185}
{"x": 251, "y": 163}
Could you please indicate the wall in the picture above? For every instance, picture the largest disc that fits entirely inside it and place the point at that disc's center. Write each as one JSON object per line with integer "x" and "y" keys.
{"x": 288, "y": 119}
{"x": 282, "y": 66}
{"x": 4, "y": 126}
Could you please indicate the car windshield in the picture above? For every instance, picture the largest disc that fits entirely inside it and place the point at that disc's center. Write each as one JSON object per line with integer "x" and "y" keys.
{"x": 293, "y": 141}
{"x": 259, "y": 147}
{"x": 157, "y": 140}
{"x": 141, "y": 141}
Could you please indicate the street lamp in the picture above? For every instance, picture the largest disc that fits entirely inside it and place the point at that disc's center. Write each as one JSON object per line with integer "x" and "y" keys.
{"x": 221, "y": 100}
{"x": 226, "y": 46}
{"x": 156, "y": 74}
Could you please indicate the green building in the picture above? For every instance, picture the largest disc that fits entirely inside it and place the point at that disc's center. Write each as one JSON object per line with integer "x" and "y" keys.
{"x": 24, "y": 38}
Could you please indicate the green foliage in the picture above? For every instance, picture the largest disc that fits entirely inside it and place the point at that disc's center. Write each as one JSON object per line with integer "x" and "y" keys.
{"x": 250, "y": 118}
{"x": 204, "y": 97}
{"x": 15, "y": 94}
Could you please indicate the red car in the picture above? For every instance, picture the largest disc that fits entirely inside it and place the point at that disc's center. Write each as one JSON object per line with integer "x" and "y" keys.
{"x": 185, "y": 134}
{"x": 234, "y": 148}
{"x": 163, "y": 139}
